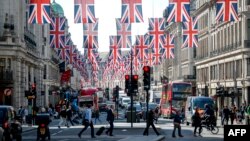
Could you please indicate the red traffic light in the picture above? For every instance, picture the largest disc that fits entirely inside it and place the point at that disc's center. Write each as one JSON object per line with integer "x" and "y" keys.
{"x": 127, "y": 77}
{"x": 146, "y": 68}
{"x": 135, "y": 77}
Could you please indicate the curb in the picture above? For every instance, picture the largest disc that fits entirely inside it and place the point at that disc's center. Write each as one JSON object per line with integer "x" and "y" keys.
{"x": 159, "y": 138}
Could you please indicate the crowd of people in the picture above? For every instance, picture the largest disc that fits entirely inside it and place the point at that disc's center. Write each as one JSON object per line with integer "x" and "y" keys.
{"x": 86, "y": 112}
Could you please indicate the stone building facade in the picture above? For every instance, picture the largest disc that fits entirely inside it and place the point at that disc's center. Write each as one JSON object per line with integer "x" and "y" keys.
{"x": 223, "y": 59}
{"x": 25, "y": 56}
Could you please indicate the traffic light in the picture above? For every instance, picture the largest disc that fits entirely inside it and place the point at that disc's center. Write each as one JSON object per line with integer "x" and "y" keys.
{"x": 134, "y": 83}
{"x": 127, "y": 79}
{"x": 146, "y": 77}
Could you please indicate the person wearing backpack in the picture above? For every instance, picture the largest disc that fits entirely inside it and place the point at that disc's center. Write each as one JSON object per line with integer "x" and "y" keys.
{"x": 63, "y": 115}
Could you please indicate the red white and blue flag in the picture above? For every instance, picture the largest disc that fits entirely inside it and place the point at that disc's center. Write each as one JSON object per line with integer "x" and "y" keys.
{"x": 71, "y": 52}
{"x": 179, "y": 11}
{"x": 90, "y": 35}
{"x": 226, "y": 10}
{"x": 156, "y": 31}
{"x": 39, "y": 12}
{"x": 168, "y": 46}
{"x": 141, "y": 45}
{"x": 84, "y": 11}
{"x": 57, "y": 32}
{"x": 131, "y": 11}
{"x": 115, "y": 51}
{"x": 124, "y": 31}
{"x": 190, "y": 33}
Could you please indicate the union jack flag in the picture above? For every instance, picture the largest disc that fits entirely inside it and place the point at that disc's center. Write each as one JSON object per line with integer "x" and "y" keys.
{"x": 131, "y": 11}
{"x": 168, "y": 46}
{"x": 84, "y": 11}
{"x": 115, "y": 52}
{"x": 156, "y": 30}
{"x": 57, "y": 32}
{"x": 90, "y": 35}
{"x": 190, "y": 33}
{"x": 141, "y": 45}
{"x": 39, "y": 11}
{"x": 179, "y": 11}
{"x": 124, "y": 31}
{"x": 61, "y": 52}
{"x": 227, "y": 10}
{"x": 68, "y": 40}
{"x": 71, "y": 52}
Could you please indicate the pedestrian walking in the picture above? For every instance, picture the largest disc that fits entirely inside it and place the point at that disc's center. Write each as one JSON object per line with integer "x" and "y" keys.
{"x": 177, "y": 124}
{"x": 110, "y": 119}
{"x": 232, "y": 114}
{"x": 97, "y": 115}
{"x": 150, "y": 122}
{"x": 63, "y": 115}
{"x": 87, "y": 122}
{"x": 225, "y": 115}
{"x": 69, "y": 116}
{"x": 196, "y": 118}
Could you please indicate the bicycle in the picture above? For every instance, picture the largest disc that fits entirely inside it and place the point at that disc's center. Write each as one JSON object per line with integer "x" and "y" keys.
{"x": 210, "y": 127}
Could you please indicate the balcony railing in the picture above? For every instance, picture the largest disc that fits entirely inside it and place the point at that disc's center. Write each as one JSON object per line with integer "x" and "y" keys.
{"x": 6, "y": 75}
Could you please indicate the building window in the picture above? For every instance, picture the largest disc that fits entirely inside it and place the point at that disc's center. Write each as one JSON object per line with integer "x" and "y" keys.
{"x": 248, "y": 66}
{"x": 238, "y": 69}
{"x": 221, "y": 70}
{"x": 248, "y": 29}
{"x": 2, "y": 64}
{"x": 45, "y": 72}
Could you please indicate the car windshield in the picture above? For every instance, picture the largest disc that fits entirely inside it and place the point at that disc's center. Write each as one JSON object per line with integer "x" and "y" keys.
{"x": 126, "y": 100}
{"x": 152, "y": 106}
{"x": 201, "y": 103}
{"x": 137, "y": 106}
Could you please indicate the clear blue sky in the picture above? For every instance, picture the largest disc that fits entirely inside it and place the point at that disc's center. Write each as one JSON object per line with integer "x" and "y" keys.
{"x": 107, "y": 11}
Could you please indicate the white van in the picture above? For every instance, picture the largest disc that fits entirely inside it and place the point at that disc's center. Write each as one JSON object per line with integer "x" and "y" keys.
{"x": 196, "y": 101}
{"x": 124, "y": 102}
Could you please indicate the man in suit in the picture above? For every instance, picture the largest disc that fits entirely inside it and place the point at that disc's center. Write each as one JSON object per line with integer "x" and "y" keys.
{"x": 88, "y": 122}
{"x": 150, "y": 122}
{"x": 110, "y": 119}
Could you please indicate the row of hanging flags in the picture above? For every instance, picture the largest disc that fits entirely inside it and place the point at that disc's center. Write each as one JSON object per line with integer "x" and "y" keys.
{"x": 149, "y": 49}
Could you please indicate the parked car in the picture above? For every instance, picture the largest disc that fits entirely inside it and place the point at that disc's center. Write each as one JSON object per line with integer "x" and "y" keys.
{"x": 138, "y": 110}
{"x": 102, "y": 107}
{"x": 12, "y": 128}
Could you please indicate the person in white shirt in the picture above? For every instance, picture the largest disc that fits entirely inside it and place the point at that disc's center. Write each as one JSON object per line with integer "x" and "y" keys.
{"x": 88, "y": 122}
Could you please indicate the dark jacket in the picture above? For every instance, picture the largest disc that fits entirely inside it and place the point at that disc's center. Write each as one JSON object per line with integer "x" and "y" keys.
{"x": 196, "y": 119}
{"x": 177, "y": 118}
{"x": 226, "y": 112}
{"x": 151, "y": 116}
{"x": 110, "y": 116}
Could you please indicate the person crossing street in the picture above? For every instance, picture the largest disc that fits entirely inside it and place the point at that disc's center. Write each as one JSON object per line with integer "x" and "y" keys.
{"x": 88, "y": 122}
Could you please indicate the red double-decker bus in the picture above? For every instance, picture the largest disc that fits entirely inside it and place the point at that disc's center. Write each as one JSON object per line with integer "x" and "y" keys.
{"x": 174, "y": 96}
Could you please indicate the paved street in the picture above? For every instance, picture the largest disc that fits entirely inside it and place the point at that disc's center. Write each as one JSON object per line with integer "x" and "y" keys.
{"x": 122, "y": 130}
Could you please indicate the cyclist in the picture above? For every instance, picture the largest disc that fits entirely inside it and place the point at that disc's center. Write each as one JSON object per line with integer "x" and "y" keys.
{"x": 209, "y": 115}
